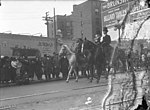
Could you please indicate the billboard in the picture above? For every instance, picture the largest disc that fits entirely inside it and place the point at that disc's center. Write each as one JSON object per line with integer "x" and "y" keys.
{"x": 111, "y": 16}
{"x": 117, "y": 9}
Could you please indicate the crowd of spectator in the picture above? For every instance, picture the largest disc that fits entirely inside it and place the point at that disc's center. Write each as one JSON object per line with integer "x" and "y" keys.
{"x": 43, "y": 68}
{"x": 48, "y": 67}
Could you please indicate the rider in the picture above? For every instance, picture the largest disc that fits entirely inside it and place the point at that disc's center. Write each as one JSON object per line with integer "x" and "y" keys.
{"x": 106, "y": 43}
{"x": 97, "y": 39}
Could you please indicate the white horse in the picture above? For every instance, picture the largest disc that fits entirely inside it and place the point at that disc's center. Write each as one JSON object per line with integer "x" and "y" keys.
{"x": 72, "y": 60}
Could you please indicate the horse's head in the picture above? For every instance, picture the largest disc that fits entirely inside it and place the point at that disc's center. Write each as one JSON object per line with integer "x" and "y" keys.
{"x": 62, "y": 50}
{"x": 65, "y": 50}
{"x": 87, "y": 45}
{"x": 78, "y": 45}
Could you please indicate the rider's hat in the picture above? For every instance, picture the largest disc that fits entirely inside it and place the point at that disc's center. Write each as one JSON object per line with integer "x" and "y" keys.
{"x": 105, "y": 29}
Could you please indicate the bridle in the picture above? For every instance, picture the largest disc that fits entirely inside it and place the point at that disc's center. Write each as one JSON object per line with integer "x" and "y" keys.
{"x": 82, "y": 46}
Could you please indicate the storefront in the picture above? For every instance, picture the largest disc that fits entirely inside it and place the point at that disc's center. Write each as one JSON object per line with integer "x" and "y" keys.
{"x": 24, "y": 45}
{"x": 15, "y": 44}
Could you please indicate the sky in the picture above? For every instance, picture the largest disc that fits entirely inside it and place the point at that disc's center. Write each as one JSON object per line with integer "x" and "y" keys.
{"x": 25, "y": 16}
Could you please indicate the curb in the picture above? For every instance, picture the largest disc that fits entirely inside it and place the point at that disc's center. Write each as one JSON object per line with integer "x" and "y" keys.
{"x": 35, "y": 82}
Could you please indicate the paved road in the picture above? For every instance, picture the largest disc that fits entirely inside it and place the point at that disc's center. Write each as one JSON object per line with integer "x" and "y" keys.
{"x": 54, "y": 95}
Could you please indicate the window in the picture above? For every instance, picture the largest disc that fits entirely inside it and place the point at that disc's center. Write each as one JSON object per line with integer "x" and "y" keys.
{"x": 81, "y": 33}
{"x": 96, "y": 11}
{"x": 81, "y": 23}
{"x": 81, "y": 14}
{"x": 68, "y": 24}
{"x": 97, "y": 21}
{"x": 68, "y": 33}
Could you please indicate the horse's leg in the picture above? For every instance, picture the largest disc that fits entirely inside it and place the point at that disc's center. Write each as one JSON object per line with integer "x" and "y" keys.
{"x": 88, "y": 74}
{"x": 69, "y": 74}
{"x": 91, "y": 72}
{"x": 76, "y": 74}
{"x": 99, "y": 72}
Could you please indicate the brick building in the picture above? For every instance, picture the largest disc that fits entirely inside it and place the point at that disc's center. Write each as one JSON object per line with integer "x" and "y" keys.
{"x": 63, "y": 24}
{"x": 87, "y": 19}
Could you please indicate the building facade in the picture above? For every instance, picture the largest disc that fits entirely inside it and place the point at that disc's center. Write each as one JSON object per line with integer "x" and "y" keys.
{"x": 25, "y": 45}
{"x": 10, "y": 43}
{"x": 63, "y": 27}
{"x": 86, "y": 18}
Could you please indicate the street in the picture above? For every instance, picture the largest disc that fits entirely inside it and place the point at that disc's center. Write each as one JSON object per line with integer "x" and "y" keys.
{"x": 57, "y": 95}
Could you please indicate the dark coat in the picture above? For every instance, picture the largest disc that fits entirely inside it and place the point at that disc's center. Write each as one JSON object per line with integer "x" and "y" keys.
{"x": 64, "y": 64}
{"x": 106, "y": 40}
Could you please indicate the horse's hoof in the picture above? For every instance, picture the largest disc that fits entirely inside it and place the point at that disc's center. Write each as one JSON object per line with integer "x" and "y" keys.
{"x": 97, "y": 81}
{"x": 67, "y": 81}
{"x": 90, "y": 81}
{"x": 76, "y": 80}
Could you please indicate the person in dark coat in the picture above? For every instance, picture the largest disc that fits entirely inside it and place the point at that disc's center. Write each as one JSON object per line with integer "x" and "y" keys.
{"x": 48, "y": 67}
{"x": 64, "y": 66}
{"x": 31, "y": 68}
{"x": 106, "y": 39}
{"x": 106, "y": 44}
{"x": 5, "y": 70}
{"x": 38, "y": 69}
{"x": 13, "y": 70}
{"x": 56, "y": 65}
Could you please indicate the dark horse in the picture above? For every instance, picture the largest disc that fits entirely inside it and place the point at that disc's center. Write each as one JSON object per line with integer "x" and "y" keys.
{"x": 98, "y": 60}
{"x": 95, "y": 58}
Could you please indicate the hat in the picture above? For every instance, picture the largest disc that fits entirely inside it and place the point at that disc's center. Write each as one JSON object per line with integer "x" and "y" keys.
{"x": 105, "y": 29}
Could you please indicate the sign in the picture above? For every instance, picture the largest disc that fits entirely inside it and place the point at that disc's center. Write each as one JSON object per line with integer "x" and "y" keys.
{"x": 117, "y": 9}
{"x": 113, "y": 4}
{"x": 45, "y": 44}
{"x": 110, "y": 17}
{"x": 46, "y": 47}
{"x": 140, "y": 15}
{"x": 139, "y": 12}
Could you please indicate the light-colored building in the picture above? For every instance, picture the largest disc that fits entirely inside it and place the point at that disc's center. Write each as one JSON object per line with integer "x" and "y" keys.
{"x": 87, "y": 19}
{"x": 25, "y": 45}
{"x": 15, "y": 44}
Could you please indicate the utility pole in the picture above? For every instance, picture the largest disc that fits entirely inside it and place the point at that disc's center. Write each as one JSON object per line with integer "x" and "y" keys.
{"x": 47, "y": 19}
{"x": 55, "y": 36}
{"x": 118, "y": 27}
{"x": 0, "y": 51}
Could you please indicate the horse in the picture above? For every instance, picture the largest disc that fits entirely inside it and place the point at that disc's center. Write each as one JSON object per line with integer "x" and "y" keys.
{"x": 97, "y": 58}
{"x": 81, "y": 59}
{"x": 65, "y": 50}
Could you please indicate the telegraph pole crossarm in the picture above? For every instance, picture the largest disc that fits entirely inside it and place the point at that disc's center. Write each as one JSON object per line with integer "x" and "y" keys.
{"x": 47, "y": 19}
